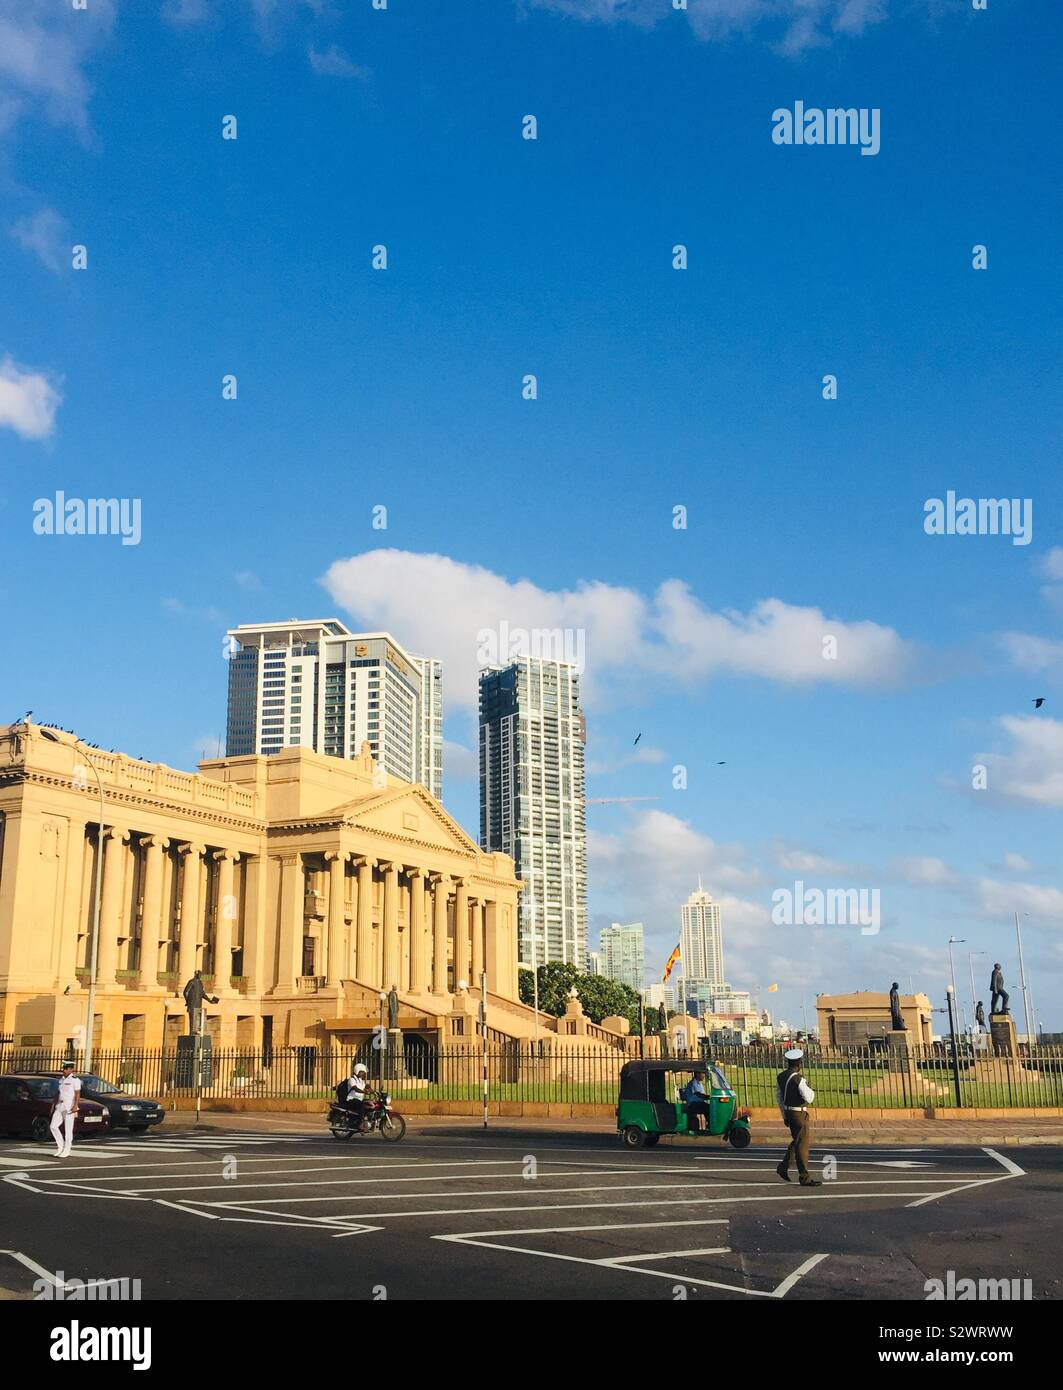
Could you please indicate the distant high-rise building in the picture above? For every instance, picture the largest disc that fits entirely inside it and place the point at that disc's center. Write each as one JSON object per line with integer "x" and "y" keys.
{"x": 594, "y": 963}
{"x": 318, "y": 685}
{"x": 531, "y": 799}
{"x": 701, "y": 940}
{"x": 623, "y": 954}
{"x": 656, "y": 996}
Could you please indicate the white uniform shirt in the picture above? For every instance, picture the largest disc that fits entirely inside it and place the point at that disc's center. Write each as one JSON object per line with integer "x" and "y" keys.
{"x": 356, "y": 1087}
{"x": 802, "y": 1090}
{"x": 68, "y": 1089}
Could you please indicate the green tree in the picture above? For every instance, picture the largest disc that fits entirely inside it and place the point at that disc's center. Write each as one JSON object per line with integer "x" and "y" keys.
{"x": 600, "y": 997}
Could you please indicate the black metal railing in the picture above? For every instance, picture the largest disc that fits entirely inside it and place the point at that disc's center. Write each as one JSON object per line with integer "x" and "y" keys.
{"x": 544, "y": 1072}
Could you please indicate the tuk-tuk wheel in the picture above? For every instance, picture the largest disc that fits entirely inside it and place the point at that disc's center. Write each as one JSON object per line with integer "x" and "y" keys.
{"x": 633, "y": 1137}
{"x": 739, "y": 1137}
{"x": 652, "y": 1139}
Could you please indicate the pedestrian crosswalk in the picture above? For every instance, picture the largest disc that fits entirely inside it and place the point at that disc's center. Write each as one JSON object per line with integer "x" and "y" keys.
{"x": 111, "y": 1147}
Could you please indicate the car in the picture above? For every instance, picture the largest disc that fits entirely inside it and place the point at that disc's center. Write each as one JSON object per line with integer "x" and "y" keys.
{"x": 135, "y": 1113}
{"x": 26, "y": 1105}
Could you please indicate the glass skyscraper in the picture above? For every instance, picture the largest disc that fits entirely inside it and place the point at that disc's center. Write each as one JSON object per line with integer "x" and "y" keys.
{"x": 532, "y": 734}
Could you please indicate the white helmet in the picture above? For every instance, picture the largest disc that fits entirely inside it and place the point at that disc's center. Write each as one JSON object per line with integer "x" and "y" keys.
{"x": 361, "y": 1069}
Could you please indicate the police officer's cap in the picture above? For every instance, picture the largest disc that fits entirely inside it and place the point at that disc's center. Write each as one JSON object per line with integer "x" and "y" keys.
{"x": 793, "y": 1054}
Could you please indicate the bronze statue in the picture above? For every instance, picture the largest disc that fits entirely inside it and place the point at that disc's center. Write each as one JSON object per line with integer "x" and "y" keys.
{"x": 896, "y": 1018}
{"x": 979, "y": 1016}
{"x": 393, "y": 1008}
{"x": 195, "y": 992}
{"x": 997, "y": 991}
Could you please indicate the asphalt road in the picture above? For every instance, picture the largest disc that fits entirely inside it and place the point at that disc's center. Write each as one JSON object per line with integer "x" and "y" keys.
{"x": 260, "y": 1212}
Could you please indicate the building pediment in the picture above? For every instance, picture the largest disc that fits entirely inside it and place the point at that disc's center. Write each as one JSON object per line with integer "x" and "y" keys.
{"x": 408, "y": 812}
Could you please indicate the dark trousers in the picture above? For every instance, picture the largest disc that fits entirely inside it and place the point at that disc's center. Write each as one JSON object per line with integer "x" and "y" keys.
{"x": 356, "y": 1109}
{"x": 800, "y": 1137}
{"x": 1003, "y": 996}
{"x": 694, "y": 1109}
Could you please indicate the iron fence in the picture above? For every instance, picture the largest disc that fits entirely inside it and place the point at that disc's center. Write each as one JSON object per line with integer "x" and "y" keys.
{"x": 847, "y": 1078}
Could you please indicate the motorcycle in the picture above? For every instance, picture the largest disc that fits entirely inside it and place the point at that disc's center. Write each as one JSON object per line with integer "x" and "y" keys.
{"x": 376, "y": 1115}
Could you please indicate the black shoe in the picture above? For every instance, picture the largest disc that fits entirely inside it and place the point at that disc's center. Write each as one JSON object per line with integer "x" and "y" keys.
{"x": 810, "y": 1182}
{"x": 783, "y": 1172}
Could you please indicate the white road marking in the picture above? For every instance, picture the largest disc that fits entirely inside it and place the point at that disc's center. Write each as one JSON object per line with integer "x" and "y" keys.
{"x": 1012, "y": 1170}
{"x": 626, "y": 1265}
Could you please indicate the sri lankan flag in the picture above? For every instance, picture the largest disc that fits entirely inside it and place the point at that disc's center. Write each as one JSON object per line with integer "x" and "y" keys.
{"x": 669, "y": 965}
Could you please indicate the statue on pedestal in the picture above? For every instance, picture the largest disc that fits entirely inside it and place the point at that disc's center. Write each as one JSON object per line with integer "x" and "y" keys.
{"x": 195, "y": 992}
{"x": 896, "y": 1018}
{"x": 393, "y": 1009}
{"x": 979, "y": 1016}
{"x": 997, "y": 991}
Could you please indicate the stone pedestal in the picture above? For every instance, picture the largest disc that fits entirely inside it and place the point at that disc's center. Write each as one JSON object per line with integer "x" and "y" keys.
{"x": 1002, "y": 1031}
{"x": 903, "y": 1076}
{"x": 394, "y": 1056}
{"x": 899, "y": 1050}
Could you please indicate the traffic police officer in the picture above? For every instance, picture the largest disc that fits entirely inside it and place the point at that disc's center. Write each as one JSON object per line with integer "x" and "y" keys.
{"x": 794, "y": 1095}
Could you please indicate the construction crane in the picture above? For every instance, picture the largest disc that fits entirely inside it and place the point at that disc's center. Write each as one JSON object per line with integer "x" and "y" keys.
{"x": 613, "y": 800}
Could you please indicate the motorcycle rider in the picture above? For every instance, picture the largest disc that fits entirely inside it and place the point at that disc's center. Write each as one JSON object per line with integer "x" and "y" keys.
{"x": 354, "y": 1104}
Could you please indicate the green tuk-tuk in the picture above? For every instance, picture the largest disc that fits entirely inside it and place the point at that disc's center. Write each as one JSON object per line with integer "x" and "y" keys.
{"x": 650, "y": 1105}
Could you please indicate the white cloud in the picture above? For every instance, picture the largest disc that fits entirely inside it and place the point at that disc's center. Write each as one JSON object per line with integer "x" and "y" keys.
{"x": 793, "y": 25}
{"x": 334, "y": 63}
{"x": 1017, "y": 863}
{"x": 43, "y": 234}
{"x": 44, "y": 50}
{"x": 1002, "y": 900}
{"x": 28, "y": 401}
{"x": 1052, "y": 564}
{"x": 438, "y": 606}
{"x": 1030, "y": 653}
{"x": 248, "y": 580}
{"x": 1033, "y": 768}
{"x": 799, "y": 861}
{"x": 923, "y": 869}
{"x": 460, "y": 764}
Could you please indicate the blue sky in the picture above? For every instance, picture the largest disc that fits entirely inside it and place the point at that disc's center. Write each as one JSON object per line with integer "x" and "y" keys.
{"x": 657, "y": 388}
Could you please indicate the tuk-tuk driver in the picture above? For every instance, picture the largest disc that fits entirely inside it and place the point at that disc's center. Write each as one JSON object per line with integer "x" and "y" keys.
{"x": 696, "y": 1099}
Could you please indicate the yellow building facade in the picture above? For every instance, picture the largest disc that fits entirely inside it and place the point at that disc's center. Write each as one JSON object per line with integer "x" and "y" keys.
{"x": 301, "y": 885}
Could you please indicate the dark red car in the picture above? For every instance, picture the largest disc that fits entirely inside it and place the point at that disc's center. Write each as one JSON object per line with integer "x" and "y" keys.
{"x": 26, "y": 1104}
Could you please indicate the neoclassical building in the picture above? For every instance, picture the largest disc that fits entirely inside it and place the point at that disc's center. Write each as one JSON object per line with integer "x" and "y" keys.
{"x": 301, "y": 886}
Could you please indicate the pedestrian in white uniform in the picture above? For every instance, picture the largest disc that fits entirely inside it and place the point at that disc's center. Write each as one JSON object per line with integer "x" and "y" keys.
{"x": 66, "y": 1107}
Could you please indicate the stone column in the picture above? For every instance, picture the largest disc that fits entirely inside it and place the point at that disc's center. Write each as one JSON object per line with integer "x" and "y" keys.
{"x": 390, "y": 970}
{"x": 477, "y": 941}
{"x": 151, "y": 915}
{"x": 334, "y": 963}
{"x": 418, "y": 941}
{"x": 255, "y": 924}
{"x": 73, "y": 902}
{"x": 440, "y": 894}
{"x": 191, "y": 912}
{"x": 461, "y": 932}
{"x": 491, "y": 946}
{"x": 365, "y": 966}
{"x": 224, "y": 918}
{"x": 114, "y": 866}
{"x": 290, "y": 931}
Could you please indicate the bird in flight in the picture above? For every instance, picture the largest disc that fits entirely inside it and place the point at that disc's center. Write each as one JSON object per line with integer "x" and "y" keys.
{"x": 1039, "y": 702}
{"x": 637, "y": 737}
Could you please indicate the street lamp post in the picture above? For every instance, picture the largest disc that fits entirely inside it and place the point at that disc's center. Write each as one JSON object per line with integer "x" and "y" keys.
{"x": 953, "y": 941}
{"x": 382, "y": 1036}
{"x": 1027, "y": 1006}
{"x": 90, "y": 1007}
